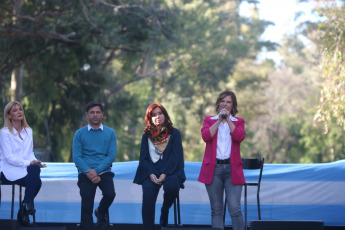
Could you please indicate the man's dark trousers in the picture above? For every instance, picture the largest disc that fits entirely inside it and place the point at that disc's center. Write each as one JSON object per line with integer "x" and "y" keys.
{"x": 87, "y": 193}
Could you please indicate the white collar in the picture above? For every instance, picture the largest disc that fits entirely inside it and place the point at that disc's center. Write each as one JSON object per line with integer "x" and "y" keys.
{"x": 231, "y": 118}
{"x": 89, "y": 127}
{"x": 15, "y": 132}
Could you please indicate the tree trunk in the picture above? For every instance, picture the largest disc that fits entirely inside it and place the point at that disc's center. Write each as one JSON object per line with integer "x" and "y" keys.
{"x": 17, "y": 73}
{"x": 17, "y": 84}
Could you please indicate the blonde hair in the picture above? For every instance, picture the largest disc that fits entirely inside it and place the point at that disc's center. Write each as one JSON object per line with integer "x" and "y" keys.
{"x": 8, "y": 122}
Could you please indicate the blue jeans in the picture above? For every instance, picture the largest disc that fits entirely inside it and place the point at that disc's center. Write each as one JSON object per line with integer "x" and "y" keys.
{"x": 222, "y": 182}
{"x": 32, "y": 182}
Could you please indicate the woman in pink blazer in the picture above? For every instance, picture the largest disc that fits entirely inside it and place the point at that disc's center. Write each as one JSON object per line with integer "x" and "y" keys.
{"x": 221, "y": 168}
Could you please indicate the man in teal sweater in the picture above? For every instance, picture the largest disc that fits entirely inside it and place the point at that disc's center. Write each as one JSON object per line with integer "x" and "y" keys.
{"x": 94, "y": 151}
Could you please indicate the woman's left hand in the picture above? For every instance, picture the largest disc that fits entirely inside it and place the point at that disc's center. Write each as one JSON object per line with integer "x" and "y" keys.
{"x": 225, "y": 112}
{"x": 43, "y": 165}
{"x": 161, "y": 178}
{"x": 39, "y": 163}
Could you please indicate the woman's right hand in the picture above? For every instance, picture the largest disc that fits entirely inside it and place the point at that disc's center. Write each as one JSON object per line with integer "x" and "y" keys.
{"x": 225, "y": 112}
{"x": 154, "y": 179}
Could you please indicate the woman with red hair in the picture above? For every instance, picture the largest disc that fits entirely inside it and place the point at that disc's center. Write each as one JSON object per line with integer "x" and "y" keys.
{"x": 161, "y": 163}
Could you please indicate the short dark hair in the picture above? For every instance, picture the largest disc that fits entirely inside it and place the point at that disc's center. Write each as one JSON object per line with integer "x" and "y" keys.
{"x": 224, "y": 94}
{"x": 93, "y": 104}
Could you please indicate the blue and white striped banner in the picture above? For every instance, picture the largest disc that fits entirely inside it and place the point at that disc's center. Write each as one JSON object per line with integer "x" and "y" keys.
{"x": 288, "y": 192}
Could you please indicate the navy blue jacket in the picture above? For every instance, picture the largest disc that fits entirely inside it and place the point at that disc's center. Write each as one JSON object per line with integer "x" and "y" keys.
{"x": 171, "y": 164}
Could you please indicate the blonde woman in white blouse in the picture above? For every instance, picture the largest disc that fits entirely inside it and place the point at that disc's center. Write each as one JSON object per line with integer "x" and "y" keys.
{"x": 18, "y": 162}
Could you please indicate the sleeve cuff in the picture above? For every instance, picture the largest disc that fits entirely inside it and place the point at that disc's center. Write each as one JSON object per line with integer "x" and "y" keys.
{"x": 27, "y": 163}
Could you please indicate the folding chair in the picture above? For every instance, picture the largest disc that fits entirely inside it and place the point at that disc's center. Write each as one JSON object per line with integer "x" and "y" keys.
{"x": 177, "y": 211}
{"x": 20, "y": 200}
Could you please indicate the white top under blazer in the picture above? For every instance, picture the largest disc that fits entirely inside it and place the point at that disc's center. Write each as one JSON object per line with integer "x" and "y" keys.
{"x": 224, "y": 139}
{"x": 16, "y": 154}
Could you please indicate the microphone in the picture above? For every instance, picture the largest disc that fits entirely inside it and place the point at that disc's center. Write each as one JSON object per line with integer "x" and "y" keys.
{"x": 223, "y": 115}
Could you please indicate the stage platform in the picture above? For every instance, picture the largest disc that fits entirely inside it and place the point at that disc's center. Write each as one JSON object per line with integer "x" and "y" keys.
{"x": 5, "y": 225}
{"x": 288, "y": 192}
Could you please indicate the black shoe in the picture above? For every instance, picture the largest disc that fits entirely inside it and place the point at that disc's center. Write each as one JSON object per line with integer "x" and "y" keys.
{"x": 29, "y": 208}
{"x": 101, "y": 219}
{"x": 23, "y": 218}
{"x": 164, "y": 217}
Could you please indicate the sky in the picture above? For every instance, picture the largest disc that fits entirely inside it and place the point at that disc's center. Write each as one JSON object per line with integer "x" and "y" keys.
{"x": 282, "y": 14}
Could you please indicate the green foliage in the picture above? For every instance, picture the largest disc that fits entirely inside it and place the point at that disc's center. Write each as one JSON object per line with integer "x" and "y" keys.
{"x": 332, "y": 44}
{"x": 328, "y": 147}
{"x": 178, "y": 53}
{"x": 285, "y": 130}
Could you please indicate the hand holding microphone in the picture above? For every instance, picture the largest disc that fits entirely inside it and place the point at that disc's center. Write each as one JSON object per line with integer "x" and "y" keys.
{"x": 224, "y": 115}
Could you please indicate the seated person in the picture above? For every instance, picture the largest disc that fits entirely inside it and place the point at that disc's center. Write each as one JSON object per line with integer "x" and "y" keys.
{"x": 94, "y": 151}
{"x": 161, "y": 163}
{"x": 18, "y": 162}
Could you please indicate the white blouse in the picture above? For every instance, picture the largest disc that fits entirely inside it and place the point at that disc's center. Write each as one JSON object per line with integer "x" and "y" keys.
{"x": 224, "y": 139}
{"x": 16, "y": 154}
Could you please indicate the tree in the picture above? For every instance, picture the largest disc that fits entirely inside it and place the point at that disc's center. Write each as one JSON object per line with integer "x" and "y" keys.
{"x": 214, "y": 38}
{"x": 332, "y": 45}
{"x": 179, "y": 53}
{"x": 66, "y": 48}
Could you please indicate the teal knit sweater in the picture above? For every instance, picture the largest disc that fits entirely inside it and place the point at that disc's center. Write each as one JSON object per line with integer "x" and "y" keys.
{"x": 94, "y": 149}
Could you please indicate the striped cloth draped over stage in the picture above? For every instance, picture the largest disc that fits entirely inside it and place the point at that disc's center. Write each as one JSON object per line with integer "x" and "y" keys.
{"x": 288, "y": 192}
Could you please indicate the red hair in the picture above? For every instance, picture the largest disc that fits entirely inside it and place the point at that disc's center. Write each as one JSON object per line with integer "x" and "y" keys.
{"x": 148, "y": 118}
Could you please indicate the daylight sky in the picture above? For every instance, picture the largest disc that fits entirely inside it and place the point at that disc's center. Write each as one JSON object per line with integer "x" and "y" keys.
{"x": 282, "y": 14}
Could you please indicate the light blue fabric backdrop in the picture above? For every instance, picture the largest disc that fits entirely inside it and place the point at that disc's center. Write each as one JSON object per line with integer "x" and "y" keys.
{"x": 288, "y": 192}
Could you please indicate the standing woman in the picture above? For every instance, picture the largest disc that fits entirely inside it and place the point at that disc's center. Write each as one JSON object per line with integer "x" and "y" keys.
{"x": 161, "y": 163}
{"x": 221, "y": 168}
{"x": 18, "y": 163}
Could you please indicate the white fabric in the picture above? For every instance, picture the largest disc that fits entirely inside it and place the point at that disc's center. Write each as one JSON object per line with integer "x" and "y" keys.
{"x": 16, "y": 153}
{"x": 0, "y": 157}
{"x": 153, "y": 154}
{"x": 223, "y": 141}
{"x": 224, "y": 138}
{"x": 89, "y": 127}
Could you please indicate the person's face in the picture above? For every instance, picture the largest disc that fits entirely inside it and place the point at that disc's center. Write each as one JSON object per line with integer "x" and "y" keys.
{"x": 95, "y": 116}
{"x": 157, "y": 117}
{"x": 16, "y": 113}
{"x": 226, "y": 103}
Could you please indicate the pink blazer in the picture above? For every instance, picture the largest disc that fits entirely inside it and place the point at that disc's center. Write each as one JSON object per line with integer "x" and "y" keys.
{"x": 209, "y": 162}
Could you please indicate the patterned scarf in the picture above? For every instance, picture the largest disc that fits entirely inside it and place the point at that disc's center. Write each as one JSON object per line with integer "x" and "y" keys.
{"x": 159, "y": 138}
